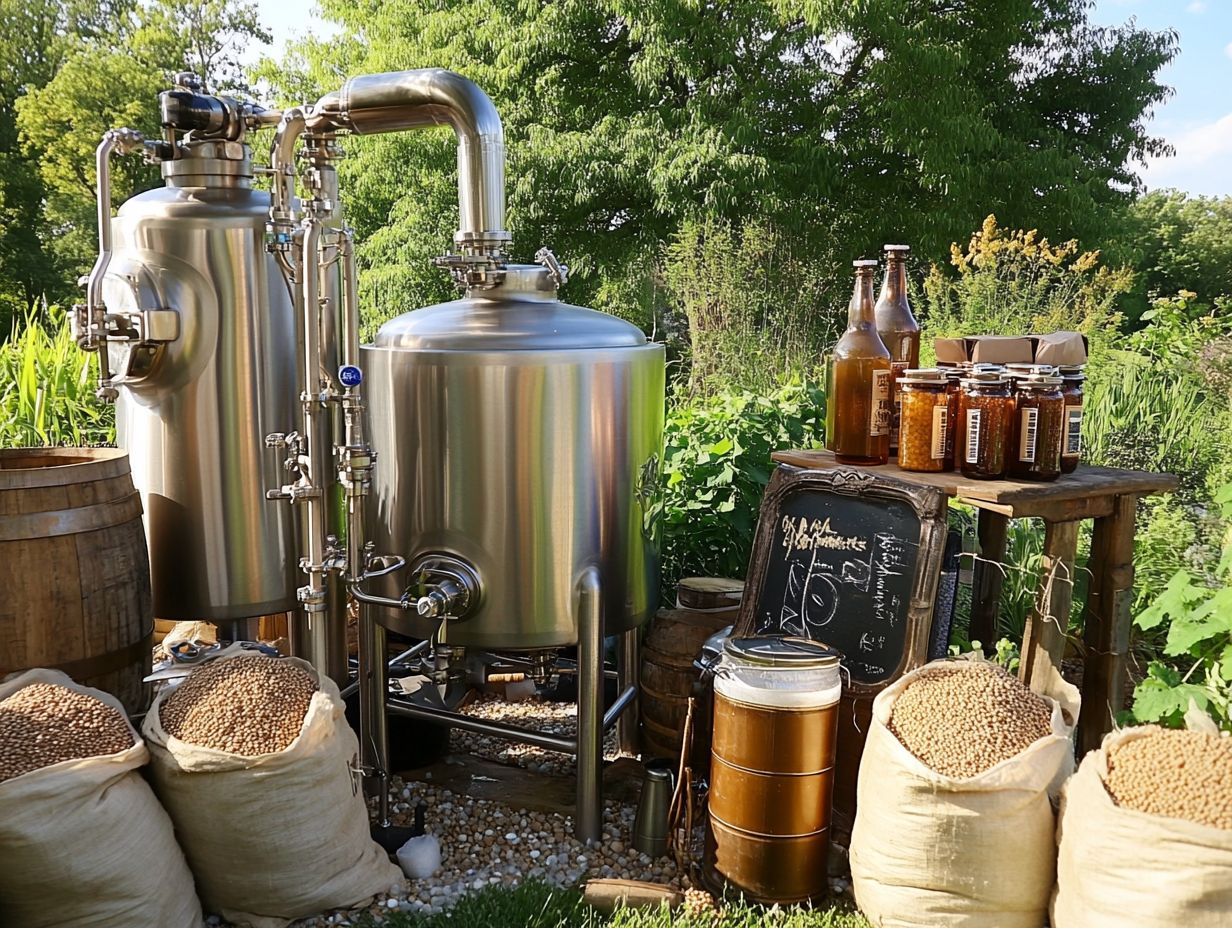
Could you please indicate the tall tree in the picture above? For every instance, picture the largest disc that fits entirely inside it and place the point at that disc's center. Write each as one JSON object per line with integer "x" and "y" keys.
{"x": 849, "y": 124}
{"x": 105, "y": 68}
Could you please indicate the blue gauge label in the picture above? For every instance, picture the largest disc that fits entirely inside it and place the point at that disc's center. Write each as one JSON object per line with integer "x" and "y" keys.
{"x": 349, "y": 375}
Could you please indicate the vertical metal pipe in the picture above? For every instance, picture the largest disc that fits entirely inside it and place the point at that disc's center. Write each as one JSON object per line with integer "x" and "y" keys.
{"x": 628, "y": 672}
{"x": 373, "y": 720}
{"x": 588, "y": 817}
{"x": 312, "y": 519}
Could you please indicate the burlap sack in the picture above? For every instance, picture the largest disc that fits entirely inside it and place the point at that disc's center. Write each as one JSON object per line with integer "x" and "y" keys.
{"x": 279, "y": 836}
{"x": 1120, "y": 868}
{"x": 84, "y": 843}
{"x": 930, "y": 851}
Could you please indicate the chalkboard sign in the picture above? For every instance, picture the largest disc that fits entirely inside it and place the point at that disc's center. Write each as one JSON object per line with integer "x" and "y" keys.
{"x": 850, "y": 558}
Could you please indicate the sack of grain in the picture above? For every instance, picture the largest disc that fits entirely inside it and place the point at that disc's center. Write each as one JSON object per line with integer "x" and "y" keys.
{"x": 954, "y": 818}
{"x": 253, "y": 758}
{"x": 83, "y": 841}
{"x": 1146, "y": 833}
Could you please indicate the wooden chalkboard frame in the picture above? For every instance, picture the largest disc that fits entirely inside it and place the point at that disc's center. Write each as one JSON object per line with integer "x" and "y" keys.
{"x": 928, "y": 503}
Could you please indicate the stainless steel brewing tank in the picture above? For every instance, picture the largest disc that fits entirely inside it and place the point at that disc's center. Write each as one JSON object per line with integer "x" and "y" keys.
{"x": 524, "y": 436}
{"x": 194, "y": 412}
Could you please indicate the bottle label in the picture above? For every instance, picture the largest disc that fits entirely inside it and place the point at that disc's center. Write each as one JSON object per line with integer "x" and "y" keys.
{"x": 879, "y": 419}
{"x": 973, "y": 436}
{"x": 1073, "y": 430}
{"x": 1028, "y": 430}
{"x": 941, "y": 423}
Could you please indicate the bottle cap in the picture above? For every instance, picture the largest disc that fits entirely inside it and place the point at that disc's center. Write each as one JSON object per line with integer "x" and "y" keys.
{"x": 897, "y": 250}
{"x": 864, "y": 262}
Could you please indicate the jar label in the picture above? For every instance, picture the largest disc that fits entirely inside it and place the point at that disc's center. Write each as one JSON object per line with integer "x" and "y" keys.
{"x": 896, "y": 419}
{"x": 1029, "y": 434}
{"x": 941, "y": 423}
{"x": 973, "y": 435}
{"x": 1073, "y": 430}
{"x": 879, "y": 420}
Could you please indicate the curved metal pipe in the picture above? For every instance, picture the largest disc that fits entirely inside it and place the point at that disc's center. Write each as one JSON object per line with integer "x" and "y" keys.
{"x": 282, "y": 162}
{"x": 398, "y": 100}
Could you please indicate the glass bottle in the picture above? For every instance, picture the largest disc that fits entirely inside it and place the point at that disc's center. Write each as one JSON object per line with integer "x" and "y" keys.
{"x": 858, "y": 408}
{"x": 925, "y": 421}
{"x": 1071, "y": 391}
{"x": 1034, "y": 451}
{"x": 897, "y": 326}
{"x": 985, "y": 409}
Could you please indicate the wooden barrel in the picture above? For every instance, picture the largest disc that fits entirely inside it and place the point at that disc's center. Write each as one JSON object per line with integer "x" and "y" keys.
{"x": 74, "y": 569}
{"x": 704, "y": 605}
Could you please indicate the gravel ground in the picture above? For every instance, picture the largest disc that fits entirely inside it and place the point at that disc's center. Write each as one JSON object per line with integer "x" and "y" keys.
{"x": 485, "y": 843}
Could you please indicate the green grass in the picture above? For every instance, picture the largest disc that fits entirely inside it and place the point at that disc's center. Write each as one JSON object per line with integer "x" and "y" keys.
{"x": 537, "y": 905}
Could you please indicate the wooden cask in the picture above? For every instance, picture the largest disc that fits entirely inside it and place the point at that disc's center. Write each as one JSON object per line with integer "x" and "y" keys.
{"x": 704, "y": 605}
{"x": 74, "y": 569}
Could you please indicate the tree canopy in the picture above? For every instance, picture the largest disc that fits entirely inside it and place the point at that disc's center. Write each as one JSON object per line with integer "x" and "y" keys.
{"x": 845, "y": 125}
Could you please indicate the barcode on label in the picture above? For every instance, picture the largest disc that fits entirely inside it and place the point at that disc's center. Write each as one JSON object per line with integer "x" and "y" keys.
{"x": 1073, "y": 430}
{"x": 1030, "y": 433}
{"x": 941, "y": 422}
{"x": 973, "y": 436}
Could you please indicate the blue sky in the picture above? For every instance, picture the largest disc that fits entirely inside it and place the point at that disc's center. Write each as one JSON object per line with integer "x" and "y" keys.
{"x": 1196, "y": 119}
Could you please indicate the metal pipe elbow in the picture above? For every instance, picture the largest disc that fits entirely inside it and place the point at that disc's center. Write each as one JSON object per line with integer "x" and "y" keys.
{"x": 400, "y": 100}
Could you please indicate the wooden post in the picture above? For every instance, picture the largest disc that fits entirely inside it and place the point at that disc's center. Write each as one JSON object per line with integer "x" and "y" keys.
{"x": 1043, "y": 640}
{"x": 988, "y": 578}
{"x": 1107, "y": 622}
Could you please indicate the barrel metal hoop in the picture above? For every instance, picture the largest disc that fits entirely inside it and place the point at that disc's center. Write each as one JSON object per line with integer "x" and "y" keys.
{"x": 86, "y": 465}
{"x": 715, "y": 755}
{"x": 89, "y": 667}
{"x": 57, "y": 522}
{"x": 744, "y": 832}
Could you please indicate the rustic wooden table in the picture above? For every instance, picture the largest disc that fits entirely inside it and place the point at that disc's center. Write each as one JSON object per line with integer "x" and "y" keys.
{"x": 1107, "y": 495}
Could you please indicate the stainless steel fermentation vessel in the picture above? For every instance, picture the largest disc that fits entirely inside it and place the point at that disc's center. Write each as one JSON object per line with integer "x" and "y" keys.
{"x": 210, "y": 373}
{"x": 522, "y": 436}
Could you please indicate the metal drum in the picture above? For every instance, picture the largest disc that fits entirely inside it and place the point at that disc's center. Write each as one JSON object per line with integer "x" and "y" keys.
{"x": 772, "y": 768}
{"x": 522, "y": 437}
{"x": 208, "y": 371}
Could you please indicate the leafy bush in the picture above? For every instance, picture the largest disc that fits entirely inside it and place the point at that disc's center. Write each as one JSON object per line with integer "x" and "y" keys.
{"x": 47, "y": 389}
{"x": 716, "y": 465}
{"x": 1200, "y": 635}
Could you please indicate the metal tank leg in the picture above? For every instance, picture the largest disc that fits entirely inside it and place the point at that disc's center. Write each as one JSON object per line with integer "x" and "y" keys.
{"x": 588, "y": 816}
{"x": 373, "y": 721}
{"x": 628, "y": 672}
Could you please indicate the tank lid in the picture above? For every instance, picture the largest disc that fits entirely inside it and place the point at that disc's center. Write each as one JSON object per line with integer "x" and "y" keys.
{"x": 782, "y": 651}
{"x": 521, "y": 313}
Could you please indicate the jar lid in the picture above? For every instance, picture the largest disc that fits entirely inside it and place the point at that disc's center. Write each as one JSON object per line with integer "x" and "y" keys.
{"x": 1072, "y": 370}
{"x": 1039, "y": 382}
{"x": 985, "y": 379}
{"x": 987, "y": 367}
{"x": 782, "y": 651}
{"x": 1019, "y": 368}
{"x": 923, "y": 375}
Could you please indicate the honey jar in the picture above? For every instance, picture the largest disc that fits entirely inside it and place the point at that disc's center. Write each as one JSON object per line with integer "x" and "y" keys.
{"x": 1035, "y": 436}
{"x": 1071, "y": 392}
{"x": 924, "y": 422}
{"x": 985, "y": 408}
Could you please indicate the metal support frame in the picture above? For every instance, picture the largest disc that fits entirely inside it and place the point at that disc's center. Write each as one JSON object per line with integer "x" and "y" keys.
{"x": 587, "y": 746}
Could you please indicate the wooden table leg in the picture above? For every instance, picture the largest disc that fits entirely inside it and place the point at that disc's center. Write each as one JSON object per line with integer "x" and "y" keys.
{"x": 1107, "y": 622}
{"x": 1043, "y": 641}
{"x": 987, "y": 581}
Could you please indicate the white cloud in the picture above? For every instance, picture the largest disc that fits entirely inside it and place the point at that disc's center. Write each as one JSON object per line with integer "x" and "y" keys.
{"x": 1196, "y": 7}
{"x": 1200, "y": 165}
{"x": 1227, "y": 49}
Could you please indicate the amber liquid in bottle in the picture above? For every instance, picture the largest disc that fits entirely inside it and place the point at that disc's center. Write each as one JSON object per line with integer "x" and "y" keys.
{"x": 859, "y": 407}
{"x": 899, "y": 331}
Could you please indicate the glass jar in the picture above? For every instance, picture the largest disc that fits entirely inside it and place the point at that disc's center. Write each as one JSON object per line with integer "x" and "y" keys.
{"x": 1071, "y": 391}
{"x": 1035, "y": 438}
{"x": 924, "y": 423}
{"x": 985, "y": 408}
{"x": 953, "y": 391}
{"x": 782, "y": 672}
